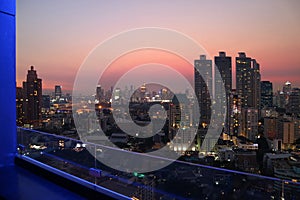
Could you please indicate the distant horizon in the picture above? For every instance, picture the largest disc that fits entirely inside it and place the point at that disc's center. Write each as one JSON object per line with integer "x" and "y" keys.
{"x": 276, "y": 86}
{"x": 65, "y": 91}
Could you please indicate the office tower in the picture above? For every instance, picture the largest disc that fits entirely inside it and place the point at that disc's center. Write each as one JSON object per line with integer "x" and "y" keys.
{"x": 57, "y": 92}
{"x": 266, "y": 94}
{"x": 19, "y": 104}
{"x": 33, "y": 99}
{"x": 224, "y": 66}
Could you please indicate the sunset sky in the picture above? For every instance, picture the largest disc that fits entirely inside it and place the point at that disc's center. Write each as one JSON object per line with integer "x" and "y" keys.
{"x": 56, "y": 35}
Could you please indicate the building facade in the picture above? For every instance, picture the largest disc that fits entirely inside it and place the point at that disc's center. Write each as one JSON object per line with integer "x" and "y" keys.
{"x": 248, "y": 81}
{"x": 203, "y": 84}
{"x": 32, "y": 91}
{"x": 224, "y": 65}
{"x": 266, "y": 94}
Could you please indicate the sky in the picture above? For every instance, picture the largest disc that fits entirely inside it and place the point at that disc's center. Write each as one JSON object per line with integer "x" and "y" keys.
{"x": 57, "y": 36}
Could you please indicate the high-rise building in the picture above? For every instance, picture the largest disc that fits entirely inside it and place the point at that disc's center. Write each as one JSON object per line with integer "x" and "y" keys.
{"x": 271, "y": 128}
{"x": 203, "y": 84}
{"x": 285, "y": 94}
{"x": 203, "y": 87}
{"x": 289, "y": 99}
{"x": 249, "y": 123}
{"x": 180, "y": 118}
{"x": 266, "y": 94}
{"x": 243, "y": 79}
{"x": 248, "y": 90}
{"x": 297, "y": 127}
{"x": 248, "y": 81}
{"x": 32, "y": 90}
{"x": 117, "y": 94}
{"x": 57, "y": 92}
{"x": 235, "y": 115}
{"x": 99, "y": 94}
{"x": 293, "y": 105}
{"x": 280, "y": 101}
{"x": 142, "y": 92}
{"x": 255, "y": 85}
{"x": 224, "y": 66}
{"x": 286, "y": 132}
{"x": 19, "y": 104}
{"x": 287, "y": 87}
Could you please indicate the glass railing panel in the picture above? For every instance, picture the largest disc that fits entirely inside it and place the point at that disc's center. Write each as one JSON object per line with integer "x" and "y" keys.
{"x": 179, "y": 180}
{"x": 55, "y": 151}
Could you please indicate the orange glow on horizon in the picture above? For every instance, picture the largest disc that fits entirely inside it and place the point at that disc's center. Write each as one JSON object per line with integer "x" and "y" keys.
{"x": 140, "y": 57}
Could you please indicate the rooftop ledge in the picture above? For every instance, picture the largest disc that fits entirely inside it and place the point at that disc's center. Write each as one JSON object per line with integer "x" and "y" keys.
{"x": 91, "y": 186}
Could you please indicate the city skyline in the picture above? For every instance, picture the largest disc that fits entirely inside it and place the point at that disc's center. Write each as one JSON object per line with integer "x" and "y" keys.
{"x": 59, "y": 43}
{"x": 170, "y": 100}
{"x": 111, "y": 76}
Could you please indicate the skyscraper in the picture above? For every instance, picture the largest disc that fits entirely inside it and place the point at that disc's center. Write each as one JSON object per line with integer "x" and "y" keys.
{"x": 224, "y": 66}
{"x": 256, "y": 90}
{"x": 203, "y": 84}
{"x": 247, "y": 77}
{"x": 57, "y": 92}
{"x": 99, "y": 94}
{"x": 243, "y": 79}
{"x": 248, "y": 90}
{"x": 266, "y": 94}
{"x": 32, "y": 90}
